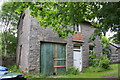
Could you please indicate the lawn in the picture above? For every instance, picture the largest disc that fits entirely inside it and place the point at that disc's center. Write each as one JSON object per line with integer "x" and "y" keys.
{"x": 113, "y": 72}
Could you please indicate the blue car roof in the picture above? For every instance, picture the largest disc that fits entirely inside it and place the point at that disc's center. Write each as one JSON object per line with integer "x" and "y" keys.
{"x": 3, "y": 68}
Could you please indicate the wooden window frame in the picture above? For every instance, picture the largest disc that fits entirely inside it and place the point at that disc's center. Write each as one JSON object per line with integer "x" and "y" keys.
{"x": 77, "y": 28}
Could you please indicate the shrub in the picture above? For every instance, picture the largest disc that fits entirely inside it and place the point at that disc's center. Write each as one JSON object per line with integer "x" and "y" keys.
{"x": 73, "y": 71}
{"x": 14, "y": 68}
{"x": 93, "y": 61}
{"x": 93, "y": 69}
{"x": 103, "y": 62}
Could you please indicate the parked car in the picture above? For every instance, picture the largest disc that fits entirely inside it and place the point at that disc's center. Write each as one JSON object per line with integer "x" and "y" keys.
{"x": 6, "y": 75}
{"x": 3, "y": 68}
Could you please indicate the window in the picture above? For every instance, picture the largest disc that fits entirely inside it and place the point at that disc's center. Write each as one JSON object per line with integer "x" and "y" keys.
{"x": 22, "y": 18}
{"x": 91, "y": 47}
{"x": 78, "y": 48}
{"x": 77, "y": 28}
{"x": 19, "y": 61}
{"x": 23, "y": 15}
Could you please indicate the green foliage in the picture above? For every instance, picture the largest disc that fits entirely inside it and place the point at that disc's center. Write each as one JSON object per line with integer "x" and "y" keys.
{"x": 73, "y": 71}
{"x": 93, "y": 69}
{"x": 8, "y": 14}
{"x": 92, "y": 38}
{"x": 58, "y": 15}
{"x": 91, "y": 73}
{"x": 105, "y": 42}
{"x": 97, "y": 65}
{"x": 115, "y": 38}
{"x": 105, "y": 45}
{"x": 102, "y": 62}
{"x": 14, "y": 68}
{"x": 8, "y": 43}
{"x": 109, "y": 18}
{"x": 9, "y": 19}
{"x": 34, "y": 76}
{"x": 92, "y": 59}
{"x": 0, "y": 41}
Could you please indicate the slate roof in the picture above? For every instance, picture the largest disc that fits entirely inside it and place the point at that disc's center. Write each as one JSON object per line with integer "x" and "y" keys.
{"x": 115, "y": 45}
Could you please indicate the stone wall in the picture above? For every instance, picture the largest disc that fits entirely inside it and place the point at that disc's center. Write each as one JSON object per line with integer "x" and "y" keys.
{"x": 23, "y": 40}
{"x": 114, "y": 54}
{"x": 87, "y": 31}
{"x": 32, "y": 36}
{"x": 39, "y": 34}
{"x": 118, "y": 54}
{"x": 8, "y": 61}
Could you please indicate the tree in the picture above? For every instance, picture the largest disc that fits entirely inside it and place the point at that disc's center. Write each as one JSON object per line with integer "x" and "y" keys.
{"x": 10, "y": 45}
{"x": 58, "y": 15}
{"x": 105, "y": 45}
{"x": 109, "y": 18}
{"x": 9, "y": 22}
{"x": 61, "y": 14}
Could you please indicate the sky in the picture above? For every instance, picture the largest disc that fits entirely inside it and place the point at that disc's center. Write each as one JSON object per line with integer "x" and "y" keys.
{"x": 108, "y": 34}
{"x": 1, "y": 2}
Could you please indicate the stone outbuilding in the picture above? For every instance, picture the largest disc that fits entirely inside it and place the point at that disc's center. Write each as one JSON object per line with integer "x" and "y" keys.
{"x": 39, "y": 50}
{"x": 114, "y": 53}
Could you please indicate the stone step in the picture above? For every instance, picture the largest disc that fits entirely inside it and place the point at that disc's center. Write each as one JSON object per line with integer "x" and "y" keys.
{"x": 114, "y": 60}
{"x": 114, "y": 55}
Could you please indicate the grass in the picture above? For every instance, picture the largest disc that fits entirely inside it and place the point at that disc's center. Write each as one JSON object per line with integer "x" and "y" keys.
{"x": 112, "y": 72}
{"x": 15, "y": 69}
{"x": 34, "y": 76}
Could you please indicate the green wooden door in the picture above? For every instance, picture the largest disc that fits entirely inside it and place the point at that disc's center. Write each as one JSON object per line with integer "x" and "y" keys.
{"x": 53, "y": 58}
{"x": 60, "y": 58}
{"x": 47, "y": 58}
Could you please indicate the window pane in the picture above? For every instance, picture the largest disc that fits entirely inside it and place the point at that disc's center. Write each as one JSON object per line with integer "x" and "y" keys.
{"x": 76, "y": 47}
{"x": 91, "y": 47}
{"x": 74, "y": 28}
{"x": 77, "y": 28}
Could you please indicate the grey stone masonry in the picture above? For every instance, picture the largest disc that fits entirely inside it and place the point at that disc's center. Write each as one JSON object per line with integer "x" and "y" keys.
{"x": 31, "y": 34}
{"x": 38, "y": 34}
{"x": 87, "y": 31}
